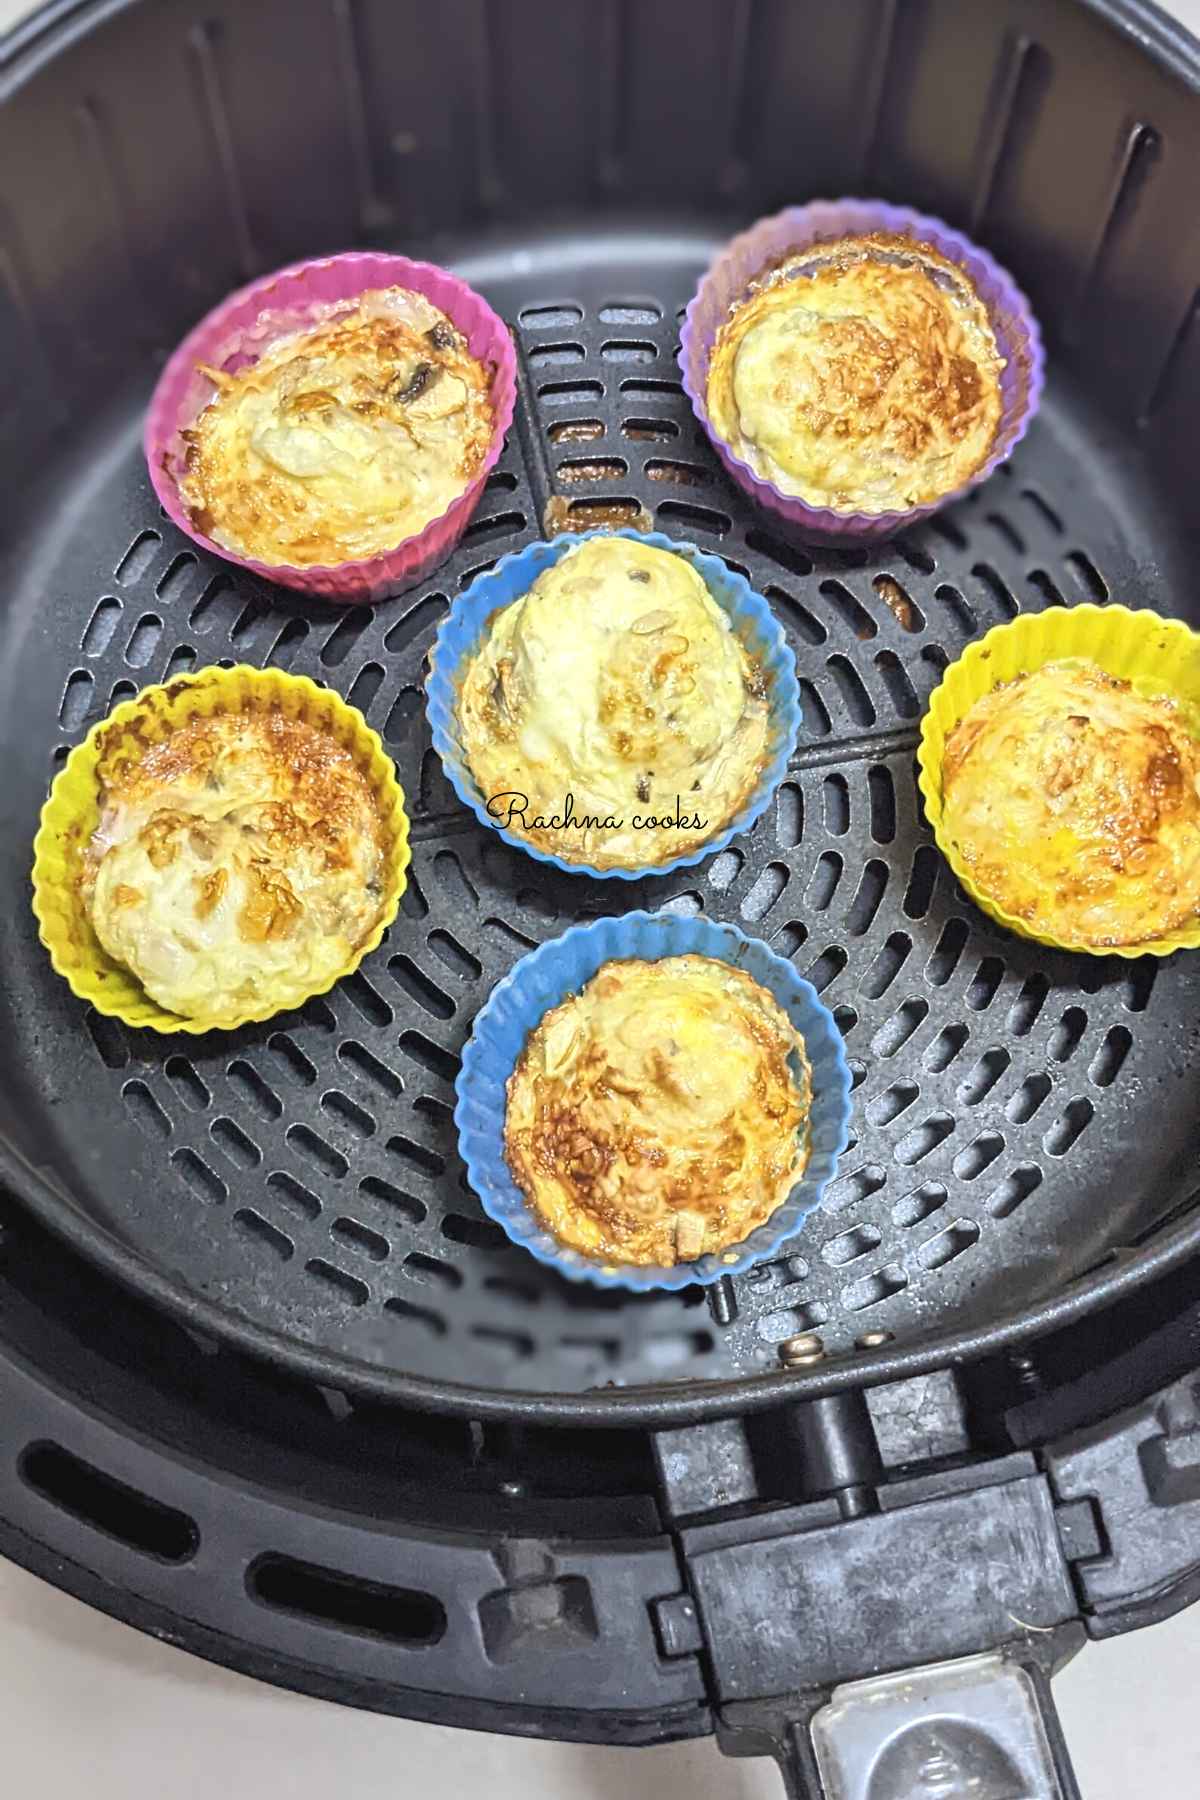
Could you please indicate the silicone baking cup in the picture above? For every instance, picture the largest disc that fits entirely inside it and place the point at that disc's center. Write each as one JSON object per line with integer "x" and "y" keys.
{"x": 802, "y": 227}
{"x": 464, "y": 628}
{"x": 240, "y": 329}
{"x": 72, "y": 812}
{"x": 1158, "y": 656}
{"x": 561, "y": 967}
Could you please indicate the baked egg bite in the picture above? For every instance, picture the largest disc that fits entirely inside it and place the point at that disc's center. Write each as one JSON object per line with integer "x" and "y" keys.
{"x": 860, "y": 375}
{"x": 343, "y": 438}
{"x": 661, "y": 1114}
{"x": 618, "y": 681}
{"x": 1074, "y": 800}
{"x": 236, "y": 861}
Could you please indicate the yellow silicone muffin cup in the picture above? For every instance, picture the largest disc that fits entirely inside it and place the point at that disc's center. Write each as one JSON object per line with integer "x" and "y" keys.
{"x": 1158, "y": 656}
{"x": 72, "y": 812}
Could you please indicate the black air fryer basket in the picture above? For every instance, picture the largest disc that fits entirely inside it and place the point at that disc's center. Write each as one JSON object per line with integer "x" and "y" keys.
{"x": 270, "y": 1383}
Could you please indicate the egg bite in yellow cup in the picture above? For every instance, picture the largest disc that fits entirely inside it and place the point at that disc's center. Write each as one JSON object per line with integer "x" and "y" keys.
{"x": 219, "y": 848}
{"x": 1060, "y": 765}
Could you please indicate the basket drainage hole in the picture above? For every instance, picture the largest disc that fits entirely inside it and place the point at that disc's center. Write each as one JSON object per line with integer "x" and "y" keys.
{"x": 107, "y": 1505}
{"x": 347, "y": 1602}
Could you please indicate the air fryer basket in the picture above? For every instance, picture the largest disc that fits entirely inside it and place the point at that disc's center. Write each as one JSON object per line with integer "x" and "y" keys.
{"x": 290, "y": 1194}
{"x": 299, "y": 1181}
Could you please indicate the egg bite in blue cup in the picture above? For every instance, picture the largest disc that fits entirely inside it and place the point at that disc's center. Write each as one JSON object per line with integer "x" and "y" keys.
{"x": 616, "y": 704}
{"x": 639, "y": 1074}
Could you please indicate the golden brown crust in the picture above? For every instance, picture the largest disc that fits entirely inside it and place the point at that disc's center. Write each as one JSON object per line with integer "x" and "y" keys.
{"x": 1075, "y": 802}
{"x": 238, "y": 858}
{"x": 861, "y": 375}
{"x": 344, "y": 438}
{"x": 660, "y": 1114}
{"x": 616, "y": 680}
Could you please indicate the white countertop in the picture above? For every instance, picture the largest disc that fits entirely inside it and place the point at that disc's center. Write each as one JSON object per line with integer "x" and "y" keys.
{"x": 90, "y": 1707}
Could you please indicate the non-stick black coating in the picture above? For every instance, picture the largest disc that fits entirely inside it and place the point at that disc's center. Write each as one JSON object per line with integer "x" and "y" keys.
{"x": 1019, "y": 1115}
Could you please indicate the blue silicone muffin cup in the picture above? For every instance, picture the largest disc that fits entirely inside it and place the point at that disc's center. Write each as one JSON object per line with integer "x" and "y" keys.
{"x": 463, "y": 629}
{"x": 561, "y": 967}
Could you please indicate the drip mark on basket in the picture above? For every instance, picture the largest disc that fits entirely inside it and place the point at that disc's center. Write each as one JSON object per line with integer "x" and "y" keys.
{"x": 293, "y": 1195}
{"x": 202, "y": 1180}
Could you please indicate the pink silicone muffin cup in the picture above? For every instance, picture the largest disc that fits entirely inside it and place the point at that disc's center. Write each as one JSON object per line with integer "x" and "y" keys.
{"x": 821, "y": 221}
{"x": 238, "y": 331}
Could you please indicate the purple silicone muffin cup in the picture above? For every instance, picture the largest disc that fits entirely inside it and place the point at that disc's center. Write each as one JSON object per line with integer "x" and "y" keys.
{"x": 239, "y": 330}
{"x": 821, "y": 221}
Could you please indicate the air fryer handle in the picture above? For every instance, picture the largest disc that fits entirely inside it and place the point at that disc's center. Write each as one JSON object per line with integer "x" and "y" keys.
{"x": 978, "y": 1728}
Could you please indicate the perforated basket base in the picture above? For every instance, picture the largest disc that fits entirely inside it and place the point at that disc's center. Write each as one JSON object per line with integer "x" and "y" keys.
{"x": 1020, "y": 1116}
